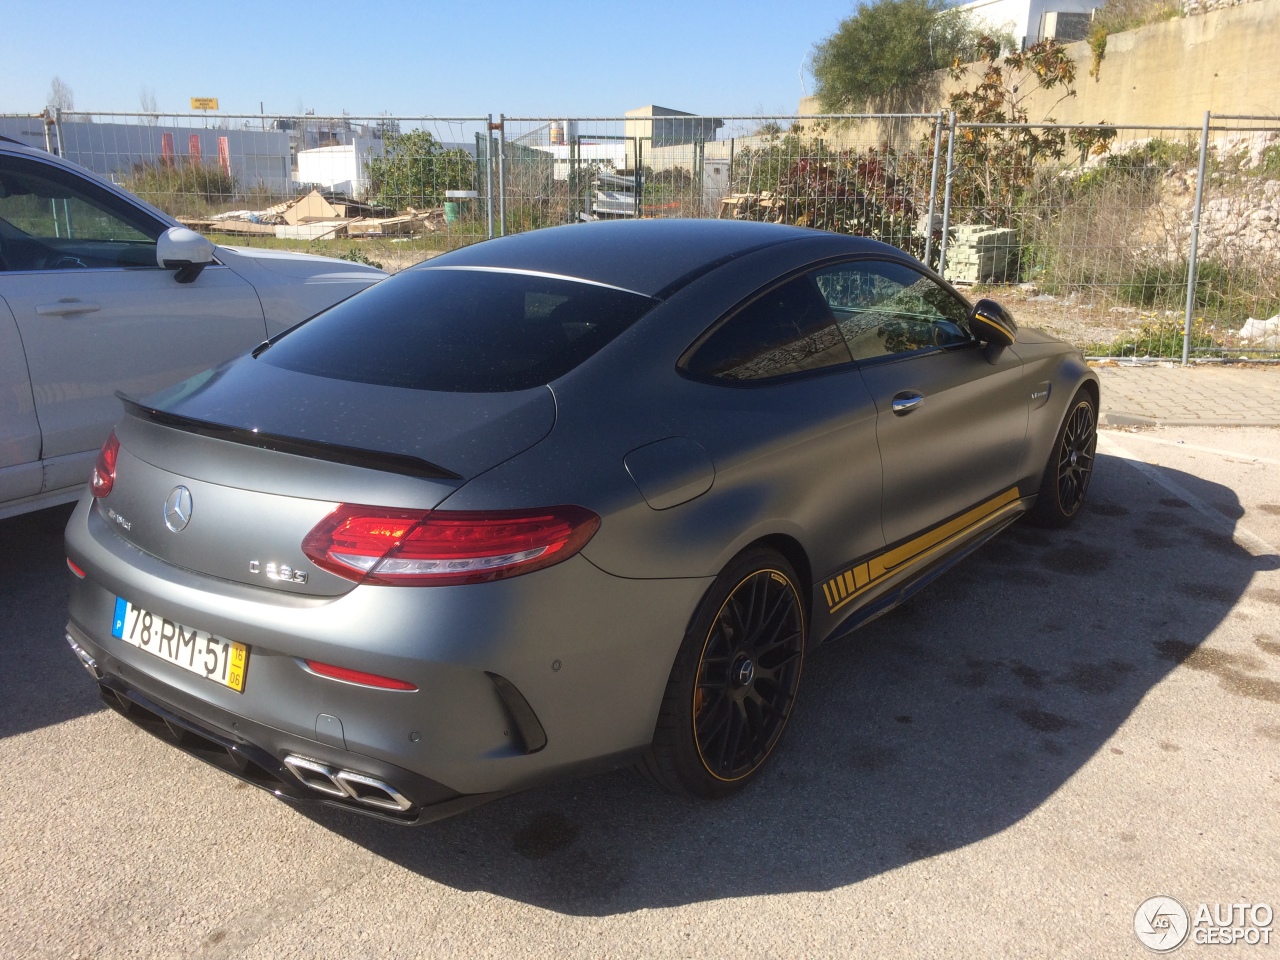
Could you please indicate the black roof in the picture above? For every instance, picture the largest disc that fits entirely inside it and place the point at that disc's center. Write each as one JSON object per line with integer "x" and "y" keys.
{"x": 653, "y": 257}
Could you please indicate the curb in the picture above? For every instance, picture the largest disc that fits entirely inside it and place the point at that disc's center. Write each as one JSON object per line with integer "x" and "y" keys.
{"x": 1137, "y": 420}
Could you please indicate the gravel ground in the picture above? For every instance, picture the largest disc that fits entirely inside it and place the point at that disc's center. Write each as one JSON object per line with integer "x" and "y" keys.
{"x": 1065, "y": 725}
{"x": 1072, "y": 318}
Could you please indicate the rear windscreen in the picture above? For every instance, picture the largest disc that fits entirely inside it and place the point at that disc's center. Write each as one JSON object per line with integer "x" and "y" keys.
{"x": 462, "y": 331}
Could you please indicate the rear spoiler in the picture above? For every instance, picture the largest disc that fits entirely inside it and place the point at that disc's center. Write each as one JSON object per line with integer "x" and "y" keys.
{"x": 314, "y": 449}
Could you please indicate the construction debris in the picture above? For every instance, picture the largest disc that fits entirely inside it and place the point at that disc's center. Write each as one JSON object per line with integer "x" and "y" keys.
{"x": 980, "y": 254}
{"x": 752, "y": 206}
{"x": 320, "y": 216}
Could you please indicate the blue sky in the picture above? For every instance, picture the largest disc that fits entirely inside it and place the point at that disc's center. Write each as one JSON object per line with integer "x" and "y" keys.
{"x": 558, "y": 57}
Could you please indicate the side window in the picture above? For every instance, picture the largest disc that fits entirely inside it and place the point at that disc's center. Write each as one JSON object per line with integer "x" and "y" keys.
{"x": 885, "y": 308}
{"x": 790, "y": 329}
{"x": 52, "y": 219}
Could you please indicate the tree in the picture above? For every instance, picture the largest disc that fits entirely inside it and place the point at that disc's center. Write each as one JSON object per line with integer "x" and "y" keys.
{"x": 147, "y": 101}
{"x": 60, "y": 95}
{"x": 996, "y": 165}
{"x": 890, "y": 48}
{"x": 416, "y": 170}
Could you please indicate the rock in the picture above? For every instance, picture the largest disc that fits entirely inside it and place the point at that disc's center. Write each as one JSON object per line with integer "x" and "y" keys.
{"x": 1261, "y": 333}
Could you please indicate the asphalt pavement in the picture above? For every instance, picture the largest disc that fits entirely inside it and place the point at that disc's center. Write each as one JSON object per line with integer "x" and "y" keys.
{"x": 1066, "y": 724}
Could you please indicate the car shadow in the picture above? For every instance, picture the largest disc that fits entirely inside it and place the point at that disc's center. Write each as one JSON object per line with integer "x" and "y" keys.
{"x": 42, "y": 683}
{"x": 934, "y": 727}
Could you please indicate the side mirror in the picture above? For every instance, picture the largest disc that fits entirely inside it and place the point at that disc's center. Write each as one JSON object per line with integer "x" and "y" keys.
{"x": 992, "y": 324}
{"x": 185, "y": 251}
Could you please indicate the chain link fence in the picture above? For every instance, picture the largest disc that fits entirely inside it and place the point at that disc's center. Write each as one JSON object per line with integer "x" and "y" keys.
{"x": 1133, "y": 242}
{"x": 1156, "y": 242}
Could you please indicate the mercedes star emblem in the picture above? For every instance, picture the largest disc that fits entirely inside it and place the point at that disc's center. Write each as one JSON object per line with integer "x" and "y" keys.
{"x": 177, "y": 509}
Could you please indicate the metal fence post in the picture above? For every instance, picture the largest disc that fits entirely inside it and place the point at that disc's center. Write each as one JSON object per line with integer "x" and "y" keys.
{"x": 502, "y": 176}
{"x": 488, "y": 173}
{"x": 946, "y": 199}
{"x": 639, "y": 183}
{"x": 57, "y": 128}
{"x": 933, "y": 187}
{"x": 1195, "y": 241}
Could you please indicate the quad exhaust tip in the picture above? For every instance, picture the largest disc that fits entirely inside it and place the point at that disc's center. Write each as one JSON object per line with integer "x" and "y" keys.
{"x": 86, "y": 661}
{"x": 347, "y": 784}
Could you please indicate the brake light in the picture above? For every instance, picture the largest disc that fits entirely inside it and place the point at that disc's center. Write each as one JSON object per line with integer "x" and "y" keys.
{"x": 358, "y": 676}
{"x": 444, "y": 547}
{"x": 104, "y": 468}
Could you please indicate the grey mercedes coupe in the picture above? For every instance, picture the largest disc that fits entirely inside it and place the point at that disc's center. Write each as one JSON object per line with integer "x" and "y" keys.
{"x": 555, "y": 503}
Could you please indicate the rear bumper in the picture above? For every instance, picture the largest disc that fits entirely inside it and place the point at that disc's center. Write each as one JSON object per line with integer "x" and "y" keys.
{"x": 588, "y": 653}
{"x": 250, "y": 751}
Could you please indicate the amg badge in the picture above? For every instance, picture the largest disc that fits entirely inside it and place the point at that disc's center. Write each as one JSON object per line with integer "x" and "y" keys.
{"x": 278, "y": 571}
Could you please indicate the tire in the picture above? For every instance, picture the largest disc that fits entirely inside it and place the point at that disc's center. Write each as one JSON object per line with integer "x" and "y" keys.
{"x": 734, "y": 681}
{"x": 1070, "y": 467}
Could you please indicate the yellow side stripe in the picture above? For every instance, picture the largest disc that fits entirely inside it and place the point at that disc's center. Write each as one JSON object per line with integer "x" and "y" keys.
{"x": 845, "y": 586}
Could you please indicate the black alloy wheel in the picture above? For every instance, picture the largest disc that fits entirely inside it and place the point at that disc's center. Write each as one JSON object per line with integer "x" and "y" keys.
{"x": 735, "y": 680}
{"x": 1075, "y": 456}
{"x": 1070, "y": 466}
{"x": 748, "y": 675}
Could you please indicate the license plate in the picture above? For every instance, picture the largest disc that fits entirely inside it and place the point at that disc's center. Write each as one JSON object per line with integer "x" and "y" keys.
{"x": 222, "y": 661}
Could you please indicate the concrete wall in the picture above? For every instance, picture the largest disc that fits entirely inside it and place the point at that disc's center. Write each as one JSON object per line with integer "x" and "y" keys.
{"x": 1227, "y": 61}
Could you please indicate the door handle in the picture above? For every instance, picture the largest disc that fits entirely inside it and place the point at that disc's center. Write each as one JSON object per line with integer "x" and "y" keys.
{"x": 905, "y": 402}
{"x": 66, "y": 307}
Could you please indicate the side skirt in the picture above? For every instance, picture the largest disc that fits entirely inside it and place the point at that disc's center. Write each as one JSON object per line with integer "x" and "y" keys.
{"x": 875, "y": 586}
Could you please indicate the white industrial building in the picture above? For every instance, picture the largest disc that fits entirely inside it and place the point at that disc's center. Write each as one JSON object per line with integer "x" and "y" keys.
{"x": 1030, "y": 21}
{"x": 256, "y": 158}
{"x": 342, "y": 168}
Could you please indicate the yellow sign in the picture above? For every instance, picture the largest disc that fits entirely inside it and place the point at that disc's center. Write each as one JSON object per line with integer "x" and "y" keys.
{"x": 204, "y": 103}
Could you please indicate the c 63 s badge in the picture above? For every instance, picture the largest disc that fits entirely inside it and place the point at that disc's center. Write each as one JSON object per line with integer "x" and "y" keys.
{"x": 278, "y": 571}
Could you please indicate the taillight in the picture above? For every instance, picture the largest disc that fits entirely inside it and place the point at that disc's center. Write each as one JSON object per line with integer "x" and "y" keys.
{"x": 104, "y": 468}
{"x": 443, "y": 547}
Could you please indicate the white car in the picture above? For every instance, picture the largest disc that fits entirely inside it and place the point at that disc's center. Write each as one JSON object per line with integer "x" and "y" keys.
{"x": 101, "y": 292}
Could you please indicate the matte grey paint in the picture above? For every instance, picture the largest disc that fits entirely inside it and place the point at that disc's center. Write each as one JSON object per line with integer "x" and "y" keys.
{"x": 443, "y": 639}
{"x": 229, "y": 526}
{"x": 329, "y": 730}
{"x": 644, "y": 256}
{"x": 671, "y": 471}
{"x": 962, "y": 445}
{"x": 799, "y": 461}
{"x": 464, "y": 433}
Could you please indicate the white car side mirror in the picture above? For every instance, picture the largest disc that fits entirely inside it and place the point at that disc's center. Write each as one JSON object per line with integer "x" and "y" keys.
{"x": 185, "y": 251}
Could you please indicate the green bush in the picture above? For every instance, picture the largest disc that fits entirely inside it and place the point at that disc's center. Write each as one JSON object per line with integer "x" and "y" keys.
{"x": 1269, "y": 163}
{"x": 416, "y": 170}
{"x": 1228, "y": 293}
{"x": 181, "y": 187}
{"x": 863, "y": 193}
{"x": 1156, "y": 157}
{"x": 356, "y": 255}
{"x": 1156, "y": 337}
